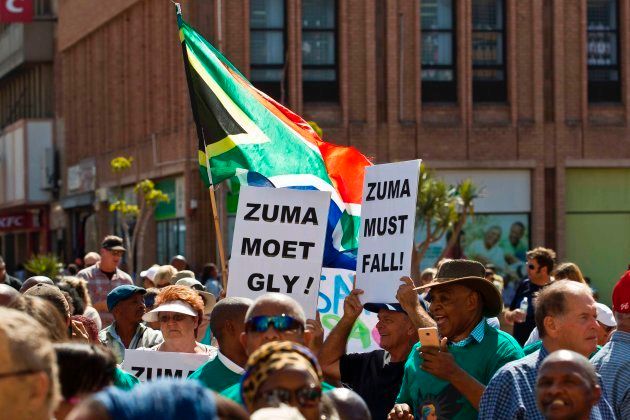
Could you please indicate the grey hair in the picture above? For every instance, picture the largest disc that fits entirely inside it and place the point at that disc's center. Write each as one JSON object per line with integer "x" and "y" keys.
{"x": 30, "y": 349}
{"x": 292, "y": 308}
{"x": 228, "y": 309}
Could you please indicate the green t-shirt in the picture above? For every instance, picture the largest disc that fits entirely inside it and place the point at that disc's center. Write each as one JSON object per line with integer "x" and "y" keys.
{"x": 215, "y": 375}
{"x": 427, "y": 394}
{"x": 536, "y": 345}
{"x": 124, "y": 380}
{"x": 234, "y": 392}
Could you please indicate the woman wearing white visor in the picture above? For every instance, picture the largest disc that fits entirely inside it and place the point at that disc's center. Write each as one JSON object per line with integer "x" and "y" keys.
{"x": 178, "y": 311}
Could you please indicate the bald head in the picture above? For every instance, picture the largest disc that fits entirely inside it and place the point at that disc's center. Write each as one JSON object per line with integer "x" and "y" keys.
{"x": 33, "y": 281}
{"x": 579, "y": 364}
{"x": 349, "y": 404}
{"x": 179, "y": 262}
{"x": 272, "y": 304}
{"x": 275, "y": 305}
{"x": 567, "y": 386}
{"x": 229, "y": 310}
{"x": 8, "y": 295}
{"x": 91, "y": 258}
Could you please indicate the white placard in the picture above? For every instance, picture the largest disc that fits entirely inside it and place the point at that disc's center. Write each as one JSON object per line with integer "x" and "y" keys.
{"x": 278, "y": 244}
{"x": 335, "y": 285}
{"x": 388, "y": 212}
{"x": 149, "y": 365}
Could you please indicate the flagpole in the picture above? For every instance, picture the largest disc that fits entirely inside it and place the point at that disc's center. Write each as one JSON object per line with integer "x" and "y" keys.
{"x": 215, "y": 216}
{"x": 213, "y": 200}
{"x": 217, "y": 229}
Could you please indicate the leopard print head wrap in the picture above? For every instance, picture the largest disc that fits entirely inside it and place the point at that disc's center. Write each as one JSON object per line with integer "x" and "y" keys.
{"x": 272, "y": 357}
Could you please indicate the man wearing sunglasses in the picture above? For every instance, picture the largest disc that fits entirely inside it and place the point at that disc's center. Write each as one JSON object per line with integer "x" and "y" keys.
{"x": 28, "y": 371}
{"x": 105, "y": 275}
{"x": 275, "y": 317}
{"x": 540, "y": 263}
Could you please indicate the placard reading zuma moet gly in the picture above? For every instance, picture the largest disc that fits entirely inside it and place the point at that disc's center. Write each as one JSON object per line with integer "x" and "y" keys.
{"x": 278, "y": 244}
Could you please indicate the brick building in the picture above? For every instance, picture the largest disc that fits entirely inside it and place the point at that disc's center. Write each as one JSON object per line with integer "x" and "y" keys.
{"x": 27, "y": 157}
{"x": 529, "y": 98}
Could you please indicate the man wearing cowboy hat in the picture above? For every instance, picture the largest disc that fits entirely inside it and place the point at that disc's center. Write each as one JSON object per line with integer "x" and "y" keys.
{"x": 448, "y": 381}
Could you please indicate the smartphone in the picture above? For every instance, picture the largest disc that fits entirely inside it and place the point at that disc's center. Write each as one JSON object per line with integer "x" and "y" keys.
{"x": 428, "y": 337}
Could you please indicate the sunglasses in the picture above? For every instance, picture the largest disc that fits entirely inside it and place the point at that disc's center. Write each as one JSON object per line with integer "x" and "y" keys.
{"x": 531, "y": 266}
{"x": 166, "y": 318}
{"x": 116, "y": 253}
{"x": 280, "y": 323}
{"x": 305, "y": 397}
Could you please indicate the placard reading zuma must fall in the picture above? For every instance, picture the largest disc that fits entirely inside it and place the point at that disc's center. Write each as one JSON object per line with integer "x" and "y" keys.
{"x": 278, "y": 244}
{"x": 387, "y": 227}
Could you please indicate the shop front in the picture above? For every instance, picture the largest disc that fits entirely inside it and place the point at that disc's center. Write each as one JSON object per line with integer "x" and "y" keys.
{"x": 23, "y": 232}
{"x": 25, "y": 190}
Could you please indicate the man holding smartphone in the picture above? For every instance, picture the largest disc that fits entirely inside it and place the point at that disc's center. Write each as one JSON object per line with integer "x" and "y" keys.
{"x": 448, "y": 380}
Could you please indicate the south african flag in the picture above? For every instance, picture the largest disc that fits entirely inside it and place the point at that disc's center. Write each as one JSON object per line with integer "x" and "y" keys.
{"x": 244, "y": 133}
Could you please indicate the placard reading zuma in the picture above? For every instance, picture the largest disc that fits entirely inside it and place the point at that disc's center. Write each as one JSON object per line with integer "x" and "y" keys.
{"x": 387, "y": 226}
{"x": 150, "y": 365}
{"x": 278, "y": 244}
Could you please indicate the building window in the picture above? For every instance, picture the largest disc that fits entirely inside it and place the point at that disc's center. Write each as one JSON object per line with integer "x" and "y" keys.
{"x": 267, "y": 47}
{"x": 602, "y": 51}
{"x": 171, "y": 239}
{"x": 437, "y": 23}
{"x": 319, "y": 51}
{"x": 488, "y": 51}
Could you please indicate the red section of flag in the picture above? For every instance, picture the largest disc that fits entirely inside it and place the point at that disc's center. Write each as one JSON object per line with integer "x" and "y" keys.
{"x": 345, "y": 164}
{"x": 16, "y": 11}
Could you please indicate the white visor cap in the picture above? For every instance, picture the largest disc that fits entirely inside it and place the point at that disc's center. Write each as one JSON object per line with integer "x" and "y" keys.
{"x": 178, "y": 306}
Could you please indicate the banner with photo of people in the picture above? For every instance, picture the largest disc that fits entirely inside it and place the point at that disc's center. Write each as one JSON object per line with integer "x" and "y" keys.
{"x": 498, "y": 239}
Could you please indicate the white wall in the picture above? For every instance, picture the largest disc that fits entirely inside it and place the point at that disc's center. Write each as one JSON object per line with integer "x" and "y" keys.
{"x": 39, "y": 140}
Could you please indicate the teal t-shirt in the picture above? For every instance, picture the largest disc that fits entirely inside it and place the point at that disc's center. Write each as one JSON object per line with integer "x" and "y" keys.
{"x": 234, "y": 392}
{"x": 124, "y": 380}
{"x": 215, "y": 375}
{"x": 428, "y": 395}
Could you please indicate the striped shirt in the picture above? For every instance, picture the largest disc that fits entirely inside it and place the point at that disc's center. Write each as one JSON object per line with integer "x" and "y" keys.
{"x": 511, "y": 394}
{"x": 99, "y": 285}
{"x": 613, "y": 364}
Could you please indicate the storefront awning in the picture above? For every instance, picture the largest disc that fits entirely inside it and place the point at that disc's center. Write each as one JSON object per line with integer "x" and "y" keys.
{"x": 77, "y": 200}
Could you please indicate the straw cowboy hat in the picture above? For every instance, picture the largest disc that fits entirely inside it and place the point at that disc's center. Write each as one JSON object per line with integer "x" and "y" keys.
{"x": 470, "y": 274}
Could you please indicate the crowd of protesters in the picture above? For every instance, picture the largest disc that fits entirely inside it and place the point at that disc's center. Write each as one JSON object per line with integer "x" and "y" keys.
{"x": 550, "y": 352}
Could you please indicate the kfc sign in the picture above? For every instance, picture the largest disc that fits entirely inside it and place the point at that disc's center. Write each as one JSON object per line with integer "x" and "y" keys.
{"x": 18, "y": 221}
{"x": 16, "y": 11}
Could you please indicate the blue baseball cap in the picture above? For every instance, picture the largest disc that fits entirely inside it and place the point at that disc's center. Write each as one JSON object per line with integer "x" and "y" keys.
{"x": 395, "y": 307}
{"x": 121, "y": 293}
{"x": 375, "y": 307}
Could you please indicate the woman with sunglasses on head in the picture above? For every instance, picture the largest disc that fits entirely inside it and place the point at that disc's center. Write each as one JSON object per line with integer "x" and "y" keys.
{"x": 178, "y": 310}
{"x": 283, "y": 372}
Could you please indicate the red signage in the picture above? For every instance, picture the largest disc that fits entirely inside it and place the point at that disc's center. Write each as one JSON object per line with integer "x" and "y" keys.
{"x": 19, "y": 221}
{"x": 16, "y": 11}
